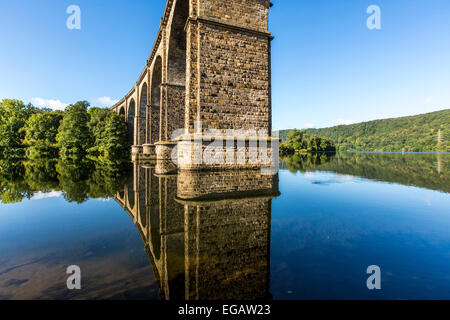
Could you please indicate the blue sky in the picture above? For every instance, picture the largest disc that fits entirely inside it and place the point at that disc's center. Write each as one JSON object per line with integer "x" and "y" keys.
{"x": 327, "y": 66}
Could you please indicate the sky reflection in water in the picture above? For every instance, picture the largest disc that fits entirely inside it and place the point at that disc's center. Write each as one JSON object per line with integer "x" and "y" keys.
{"x": 333, "y": 219}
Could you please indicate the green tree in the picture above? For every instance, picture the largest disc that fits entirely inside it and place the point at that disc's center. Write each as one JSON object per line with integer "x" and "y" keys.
{"x": 41, "y": 130}
{"x": 97, "y": 122}
{"x": 296, "y": 139}
{"x": 13, "y": 116}
{"x": 74, "y": 137}
{"x": 327, "y": 145}
{"x": 110, "y": 134}
{"x": 299, "y": 141}
{"x": 115, "y": 140}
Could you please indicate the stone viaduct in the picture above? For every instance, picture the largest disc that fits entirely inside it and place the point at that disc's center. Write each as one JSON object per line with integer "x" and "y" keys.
{"x": 210, "y": 64}
{"x": 206, "y": 233}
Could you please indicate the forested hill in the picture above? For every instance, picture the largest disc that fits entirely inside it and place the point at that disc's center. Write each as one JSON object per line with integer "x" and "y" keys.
{"x": 422, "y": 133}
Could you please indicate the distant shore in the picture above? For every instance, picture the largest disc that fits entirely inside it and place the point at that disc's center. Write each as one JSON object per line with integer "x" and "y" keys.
{"x": 396, "y": 152}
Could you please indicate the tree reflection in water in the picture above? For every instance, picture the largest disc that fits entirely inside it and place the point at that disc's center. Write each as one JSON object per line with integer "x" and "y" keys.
{"x": 77, "y": 178}
{"x": 206, "y": 234}
{"x": 430, "y": 171}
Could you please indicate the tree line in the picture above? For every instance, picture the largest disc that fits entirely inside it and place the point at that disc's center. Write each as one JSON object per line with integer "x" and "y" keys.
{"x": 77, "y": 131}
{"x": 428, "y": 132}
{"x": 298, "y": 141}
{"x": 76, "y": 178}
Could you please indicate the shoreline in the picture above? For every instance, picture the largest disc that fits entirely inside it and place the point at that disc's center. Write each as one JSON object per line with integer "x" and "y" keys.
{"x": 395, "y": 152}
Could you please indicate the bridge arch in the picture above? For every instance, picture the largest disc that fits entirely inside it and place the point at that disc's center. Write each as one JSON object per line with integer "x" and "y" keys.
{"x": 176, "y": 61}
{"x": 176, "y": 69}
{"x": 155, "y": 132}
{"x": 155, "y": 234}
{"x": 130, "y": 197}
{"x": 142, "y": 212}
{"x": 130, "y": 119}
{"x": 142, "y": 124}
{"x": 121, "y": 195}
{"x": 122, "y": 113}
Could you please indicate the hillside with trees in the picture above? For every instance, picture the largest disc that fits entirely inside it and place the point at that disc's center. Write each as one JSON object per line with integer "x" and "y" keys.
{"x": 422, "y": 133}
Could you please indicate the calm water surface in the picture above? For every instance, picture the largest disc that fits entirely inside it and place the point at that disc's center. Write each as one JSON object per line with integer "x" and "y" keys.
{"x": 308, "y": 233}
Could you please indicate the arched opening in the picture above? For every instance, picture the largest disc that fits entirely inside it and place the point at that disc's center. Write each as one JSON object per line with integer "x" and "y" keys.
{"x": 143, "y": 116}
{"x": 156, "y": 101}
{"x": 142, "y": 210}
{"x": 122, "y": 113}
{"x": 130, "y": 120}
{"x": 176, "y": 73}
{"x": 177, "y": 44}
{"x": 140, "y": 181}
{"x": 155, "y": 230}
{"x": 130, "y": 193}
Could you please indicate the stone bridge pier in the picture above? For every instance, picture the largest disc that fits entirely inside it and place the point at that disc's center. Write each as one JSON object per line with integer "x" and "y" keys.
{"x": 209, "y": 69}
{"x": 206, "y": 234}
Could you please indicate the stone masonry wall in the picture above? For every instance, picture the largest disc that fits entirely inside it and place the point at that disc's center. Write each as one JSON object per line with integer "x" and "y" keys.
{"x": 235, "y": 80}
{"x": 228, "y": 247}
{"x": 176, "y": 97}
{"x": 245, "y": 13}
{"x": 200, "y": 185}
{"x": 240, "y": 154}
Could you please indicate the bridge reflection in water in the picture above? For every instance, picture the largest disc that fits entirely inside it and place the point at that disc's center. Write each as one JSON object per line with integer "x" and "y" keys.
{"x": 207, "y": 234}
